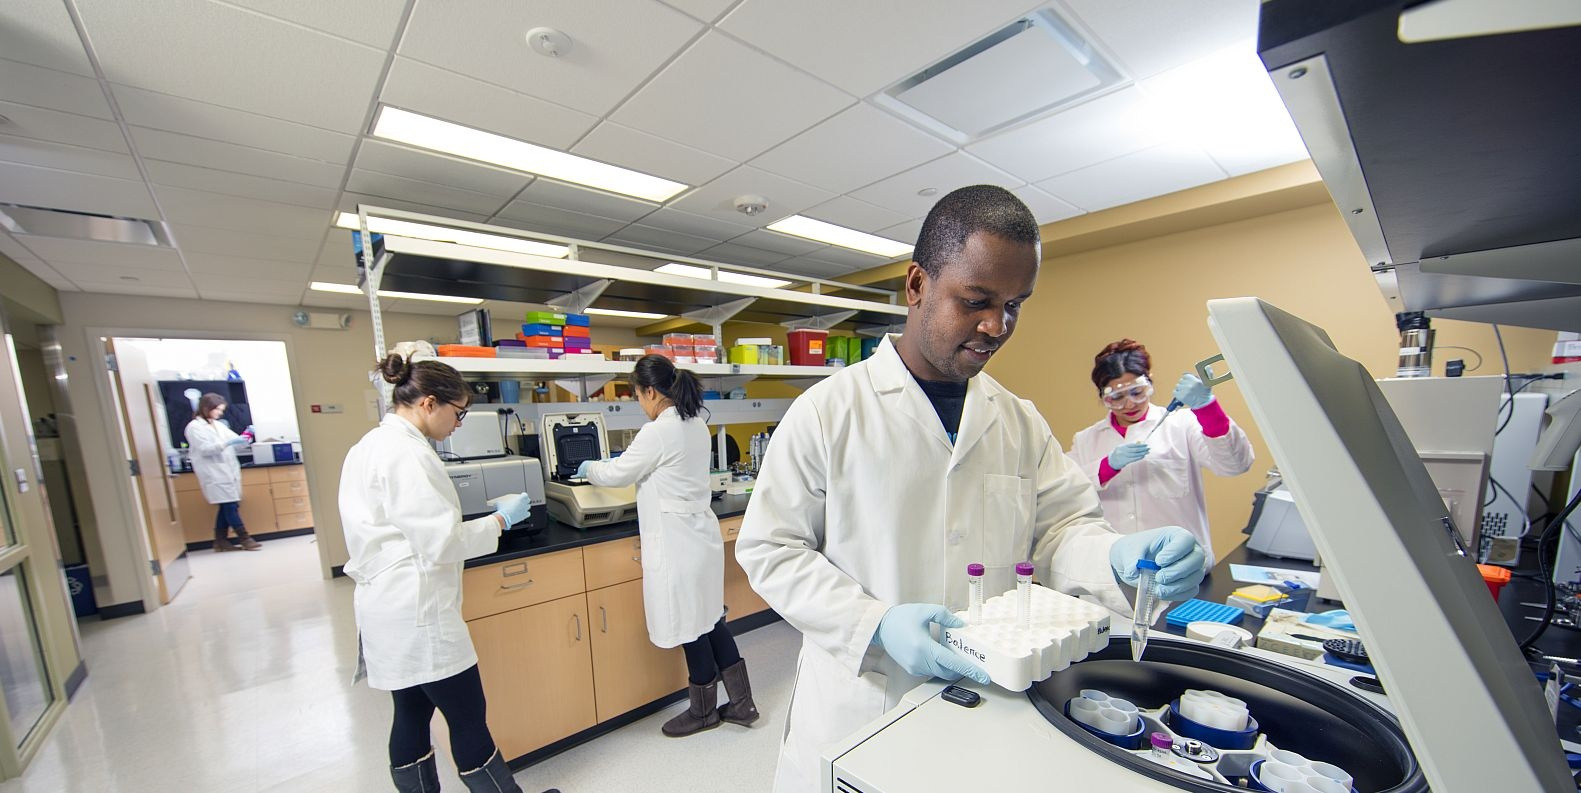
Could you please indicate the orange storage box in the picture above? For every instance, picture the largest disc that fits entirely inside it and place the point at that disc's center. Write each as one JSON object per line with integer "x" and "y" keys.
{"x": 464, "y": 351}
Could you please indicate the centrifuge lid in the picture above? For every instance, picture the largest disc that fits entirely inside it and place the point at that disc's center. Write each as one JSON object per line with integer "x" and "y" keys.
{"x": 1466, "y": 699}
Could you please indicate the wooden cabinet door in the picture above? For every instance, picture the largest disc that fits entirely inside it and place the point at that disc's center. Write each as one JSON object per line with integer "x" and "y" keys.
{"x": 537, "y": 670}
{"x": 197, "y": 515}
{"x": 257, "y": 508}
{"x": 740, "y": 598}
{"x": 628, "y": 671}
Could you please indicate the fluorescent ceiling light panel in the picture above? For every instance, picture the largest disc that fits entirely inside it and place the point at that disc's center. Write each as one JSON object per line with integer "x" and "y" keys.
{"x": 691, "y": 271}
{"x": 615, "y": 312}
{"x": 819, "y": 231}
{"x": 425, "y": 231}
{"x": 435, "y": 134}
{"x": 1226, "y": 103}
{"x": 353, "y": 289}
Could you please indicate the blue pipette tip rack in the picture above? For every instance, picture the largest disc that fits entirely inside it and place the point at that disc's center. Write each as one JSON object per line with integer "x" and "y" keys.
{"x": 1195, "y": 610}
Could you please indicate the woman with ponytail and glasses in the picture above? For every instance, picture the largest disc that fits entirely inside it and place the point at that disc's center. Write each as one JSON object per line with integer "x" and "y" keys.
{"x": 683, "y": 555}
{"x": 1143, "y": 485}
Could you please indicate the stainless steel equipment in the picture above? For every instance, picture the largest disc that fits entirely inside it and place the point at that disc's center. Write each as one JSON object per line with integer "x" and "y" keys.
{"x": 476, "y": 483}
{"x": 567, "y": 440}
{"x": 1416, "y": 344}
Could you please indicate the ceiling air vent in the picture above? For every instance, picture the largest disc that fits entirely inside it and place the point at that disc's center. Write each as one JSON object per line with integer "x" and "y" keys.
{"x": 1033, "y": 66}
{"x": 81, "y": 226}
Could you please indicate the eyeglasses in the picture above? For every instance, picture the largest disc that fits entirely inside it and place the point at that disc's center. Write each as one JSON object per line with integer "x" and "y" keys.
{"x": 1139, "y": 391}
{"x": 461, "y": 411}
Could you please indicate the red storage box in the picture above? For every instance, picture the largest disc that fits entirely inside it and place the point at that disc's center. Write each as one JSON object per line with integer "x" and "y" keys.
{"x": 806, "y": 346}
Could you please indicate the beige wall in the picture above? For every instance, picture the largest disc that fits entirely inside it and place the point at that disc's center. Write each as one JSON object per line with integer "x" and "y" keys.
{"x": 1154, "y": 289}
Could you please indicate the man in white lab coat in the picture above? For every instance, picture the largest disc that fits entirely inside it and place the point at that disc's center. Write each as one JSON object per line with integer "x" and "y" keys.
{"x": 884, "y": 481}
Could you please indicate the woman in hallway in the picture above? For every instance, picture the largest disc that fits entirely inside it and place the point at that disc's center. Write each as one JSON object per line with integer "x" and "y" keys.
{"x": 683, "y": 555}
{"x": 219, "y": 473}
{"x": 407, "y": 544}
{"x": 1143, "y": 485}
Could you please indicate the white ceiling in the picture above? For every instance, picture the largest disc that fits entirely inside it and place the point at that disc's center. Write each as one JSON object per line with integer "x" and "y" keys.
{"x": 241, "y": 125}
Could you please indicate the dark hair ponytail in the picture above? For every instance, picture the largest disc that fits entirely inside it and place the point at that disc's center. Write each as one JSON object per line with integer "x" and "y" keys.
{"x": 681, "y": 386}
{"x": 1118, "y": 358}
{"x": 413, "y": 381}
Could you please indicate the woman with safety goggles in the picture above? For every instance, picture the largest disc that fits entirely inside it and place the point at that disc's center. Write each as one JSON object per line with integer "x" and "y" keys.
{"x": 1144, "y": 484}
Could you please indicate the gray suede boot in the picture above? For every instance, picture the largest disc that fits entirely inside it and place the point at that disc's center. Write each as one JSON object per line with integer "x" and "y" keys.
{"x": 740, "y": 709}
{"x": 419, "y": 777}
{"x": 701, "y": 714}
{"x": 494, "y": 777}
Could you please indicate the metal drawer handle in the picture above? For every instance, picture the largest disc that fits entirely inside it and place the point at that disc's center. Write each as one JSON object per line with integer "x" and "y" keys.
{"x": 512, "y": 587}
{"x": 519, "y": 568}
{"x": 637, "y": 558}
{"x": 578, "y": 618}
{"x": 604, "y": 616}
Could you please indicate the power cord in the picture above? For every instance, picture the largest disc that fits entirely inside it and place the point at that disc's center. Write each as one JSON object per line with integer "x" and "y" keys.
{"x": 1548, "y": 579}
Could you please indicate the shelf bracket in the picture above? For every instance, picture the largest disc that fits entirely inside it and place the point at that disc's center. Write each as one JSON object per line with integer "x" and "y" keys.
{"x": 576, "y": 302}
{"x": 587, "y": 384}
{"x": 879, "y": 331}
{"x": 725, "y": 383}
{"x": 802, "y": 383}
{"x": 720, "y": 314}
{"x": 823, "y": 322}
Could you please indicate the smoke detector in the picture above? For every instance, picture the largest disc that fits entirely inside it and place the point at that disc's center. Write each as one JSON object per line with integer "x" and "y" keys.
{"x": 549, "y": 42}
{"x": 751, "y": 204}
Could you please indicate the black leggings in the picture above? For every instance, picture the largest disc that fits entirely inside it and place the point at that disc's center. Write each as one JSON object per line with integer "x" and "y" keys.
{"x": 229, "y": 516}
{"x": 709, "y": 653}
{"x": 460, "y": 698}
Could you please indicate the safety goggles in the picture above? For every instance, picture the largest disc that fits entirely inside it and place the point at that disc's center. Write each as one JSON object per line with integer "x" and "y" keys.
{"x": 1132, "y": 393}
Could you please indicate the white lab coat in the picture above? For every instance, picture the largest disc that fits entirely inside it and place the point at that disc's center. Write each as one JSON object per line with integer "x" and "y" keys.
{"x": 214, "y": 461}
{"x": 683, "y": 555}
{"x": 863, "y": 503}
{"x": 407, "y": 541}
{"x": 1165, "y": 487}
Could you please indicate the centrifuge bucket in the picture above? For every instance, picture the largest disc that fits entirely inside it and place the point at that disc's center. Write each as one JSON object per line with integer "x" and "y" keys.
{"x": 1296, "y": 711}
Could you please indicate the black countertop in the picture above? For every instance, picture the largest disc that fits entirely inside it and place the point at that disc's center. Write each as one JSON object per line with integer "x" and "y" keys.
{"x": 298, "y": 461}
{"x": 560, "y": 537}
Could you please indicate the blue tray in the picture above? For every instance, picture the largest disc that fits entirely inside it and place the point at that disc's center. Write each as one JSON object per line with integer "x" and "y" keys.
{"x": 1195, "y": 610}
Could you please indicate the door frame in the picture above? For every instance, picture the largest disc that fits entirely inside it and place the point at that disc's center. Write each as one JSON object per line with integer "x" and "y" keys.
{"x": 135, "y": 529}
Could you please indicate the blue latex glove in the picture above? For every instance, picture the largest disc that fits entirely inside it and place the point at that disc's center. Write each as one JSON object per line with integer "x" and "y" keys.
{"x": 1127, "y": 453}
{"x": 1338, "y": 619}
{"x": 905, "y": 635}
{"x": 1180, "y": 560}
{"x": 514, "y": 508}
{"x": 1193, "y": 393}
{"x": 237, "y": 441}
{"x": 581, "y": 470}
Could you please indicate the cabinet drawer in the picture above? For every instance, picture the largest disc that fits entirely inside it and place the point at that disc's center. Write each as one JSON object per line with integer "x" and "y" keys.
{"x": 285, "y": 521}
{"x": 296, "y": 487}
{"x": 182, "y": 483}
{"x": 255, "y": 476}
{"x": 613, "y": 562}
{"x": 298, "y": 504}
{"x": 520, "y": 582}
{"x": 730, "y": 528}
{"x": 287, "y": 473}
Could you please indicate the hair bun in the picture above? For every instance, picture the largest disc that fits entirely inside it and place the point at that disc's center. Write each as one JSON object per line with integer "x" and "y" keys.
{"x": 1123, "y": 345}
{"x": 395, "y": 369}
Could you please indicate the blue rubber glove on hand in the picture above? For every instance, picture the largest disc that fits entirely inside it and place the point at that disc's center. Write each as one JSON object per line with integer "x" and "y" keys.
{"x": 237, "y": 441}
{"x": 1127, "y": 453}
{"x": 514, "y": 508}
{"x": 1180, "y": 560}
{"x": 581, "y": 470}
{"x": 1193, "y": 393}
{"x": 905, "y": 635}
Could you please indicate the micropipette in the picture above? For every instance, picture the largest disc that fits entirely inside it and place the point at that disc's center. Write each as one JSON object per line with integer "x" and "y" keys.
{"x": 1174, "y": 404}
{"x": 1142, "y": 610}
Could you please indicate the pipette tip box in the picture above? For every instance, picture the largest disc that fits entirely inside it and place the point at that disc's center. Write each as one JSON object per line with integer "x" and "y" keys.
{"x": 1062, "y": 629}
{"x": 1195, "y": 610}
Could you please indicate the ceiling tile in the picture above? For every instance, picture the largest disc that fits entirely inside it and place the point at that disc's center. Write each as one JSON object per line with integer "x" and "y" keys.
{"x": 717, "y": 198}
{"x": 379, "y": 184}
{"x": 198, "y": 208}
{"x": 1046, "y": 208}
{"x": 201, "y": 239}
{"x": 580, "y": 199}
{"x": 349, "y": 201}
{"x": 245, "y": 285}
{"x": 773, "y": 241}
{"x": 337, "y": 275}
{"x": 898, "y": 193}
{"x": 176, "y": 174}
{"x": 726, "y": 98}
{"x": 851, "y": 213}
{"x": 40, "y": 32}
{"x": 863, "y": 47}
{"x": 104, "y": 195}
{"x": 280, "y": 299}
{"x": 39, "y": 123}
{"x": 154, "y": 144}
{"x": 639, "y": 236}
{"x": 1145, "y": 174}
{"x": 248, "y": 268}
{"x": 133, "y": 288}
{"x": 629, "y": 148}
{"x": 83, "y": 273}
{"x": 731, "y": 253}
{"x": 371, "y": 22}
{"x": 439, "y": 169}
{"x": 909, "y": 231}
{"x": 615, "y": 45}
{"x": 859, "y": 146}
{"x": 1149, "y": 37}
{"x": 1227, "y": 104}
{"x": 56, "y": 249}
{"x": 432, "y": 91}
{"x": 551, "y": 220}
{"x": 239, "y": 127}
{"x": 68, "y": 158}
{"x": 71, "y": 93}
{"x": 249, "y": 61}
{"x": 673, "y": 219}
{"x": 1107, "y": 127}
{"x": 705, "y": 10}
{"x": 813, "y": 268}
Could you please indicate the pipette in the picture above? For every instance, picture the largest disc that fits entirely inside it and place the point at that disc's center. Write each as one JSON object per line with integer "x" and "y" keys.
{"x": 1142, "y": 610}
{"x": 1174, "y": 404}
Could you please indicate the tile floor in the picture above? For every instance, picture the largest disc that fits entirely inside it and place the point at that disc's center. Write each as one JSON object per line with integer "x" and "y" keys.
{"x": 241, "y": 686}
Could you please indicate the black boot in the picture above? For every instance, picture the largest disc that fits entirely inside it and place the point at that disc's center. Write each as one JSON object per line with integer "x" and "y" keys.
{"x": 419, "y": 777}
{"x": 493, "y": 777}
{"x": 701, "y": 713}
{"x": 740, "y": 710}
